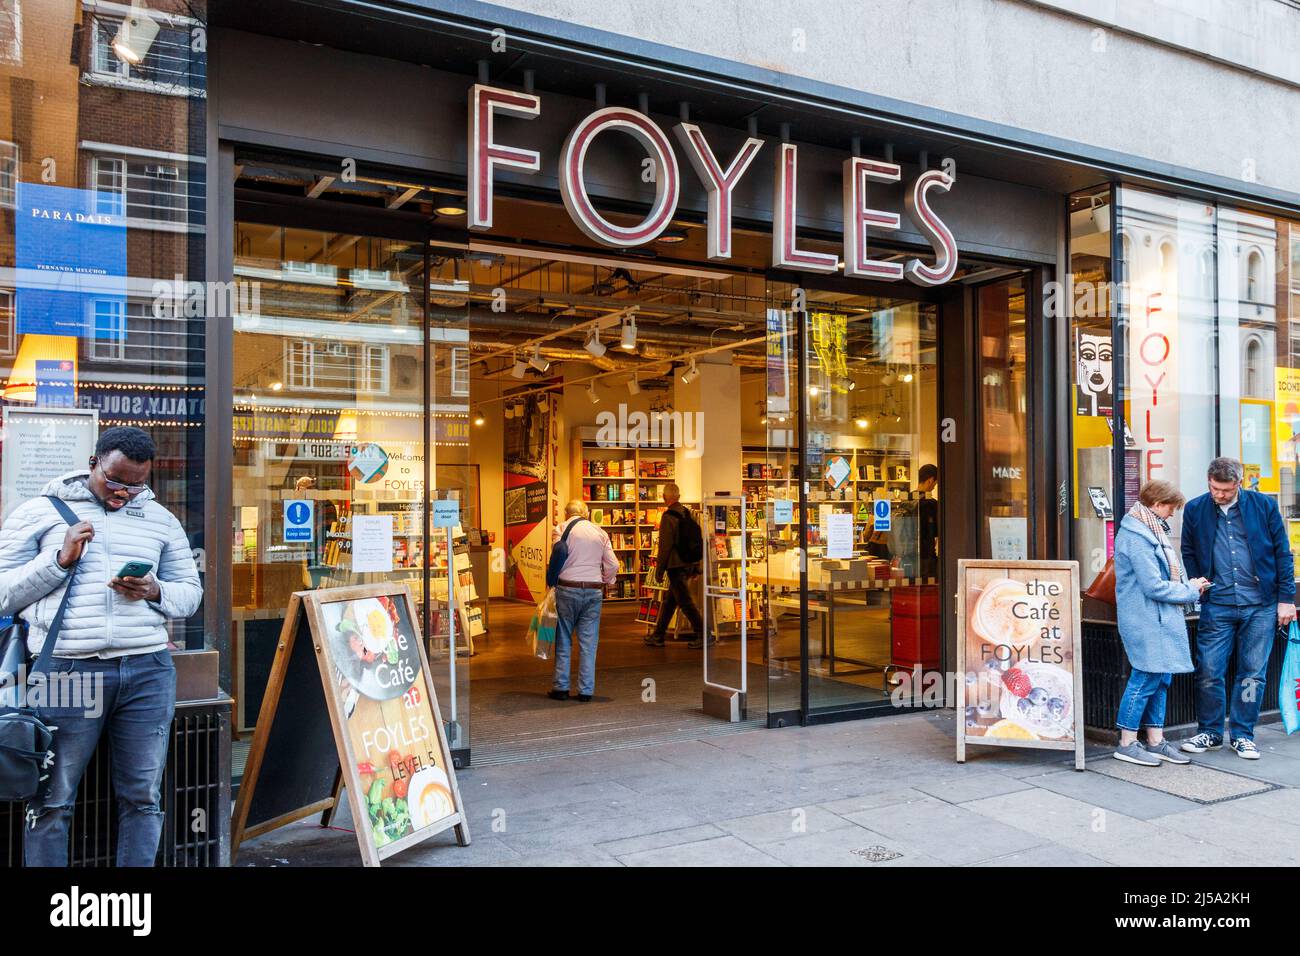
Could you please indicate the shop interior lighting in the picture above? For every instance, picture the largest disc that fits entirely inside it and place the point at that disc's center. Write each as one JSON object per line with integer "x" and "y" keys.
{"x": 276, "y": 386}
{"x": 479, "y": 420}
{"x": 691, "y": 374}
{"x": 449, "y": 210}
{"x": 537, "y": 361}
{"x": 591, "y": 393}
{"x": 520, "y": 367}
{"x": 594, "y": 345}
{"x": 628, "y": 338}
{"x": 633, "y": 386}
{"x": 907, "y": 377}
{"x": 863, "y": 422}
{"x": 672, "y": 236}
{"x": 135, "y": 36}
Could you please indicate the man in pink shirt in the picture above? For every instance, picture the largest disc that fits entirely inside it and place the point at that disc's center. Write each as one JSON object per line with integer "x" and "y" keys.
{"x": 590, "y": 568}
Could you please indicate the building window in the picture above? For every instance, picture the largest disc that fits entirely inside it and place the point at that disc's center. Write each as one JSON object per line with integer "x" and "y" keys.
{"x": 1254, "y": 276}
{"x": 10, "y": 168}
{"x": 134, "y": 331}
{"x": 1251, "y": 368}
{"x": 163, "y": 189}
{"x": 7, "y": 331}
{"x": 460, "y": 371}
{"x": 110, "y": 185}
{"x": 11, "y": 32}
{"x": 339, "y": 367}
{"x": 170, "y": 65}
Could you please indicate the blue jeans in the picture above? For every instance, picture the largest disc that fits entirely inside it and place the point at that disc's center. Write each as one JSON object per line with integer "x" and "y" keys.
{"x": 577, "y": 610}
{"x": 1225, "y": 628}
{"x": 1143, "y": 703}
{"x": 134, "y": 698}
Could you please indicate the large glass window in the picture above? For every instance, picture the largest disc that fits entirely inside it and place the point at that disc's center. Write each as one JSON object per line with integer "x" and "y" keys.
{"x": 1167, "y": 311}
{"x": 87, "y": 339}
{"x": 1005, "y": 531}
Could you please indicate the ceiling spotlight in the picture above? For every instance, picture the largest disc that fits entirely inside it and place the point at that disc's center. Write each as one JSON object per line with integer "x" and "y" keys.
{"x": 862, "y": 422}
{"x": 691, "y": 374}
{"x": 850, "y": 384}
{"x": 593, "y": 344}
{"x": 628, "y": 339}
{"x": 537, "y": 361}
{"x": 633, "y": 386}
{"x": 888, "y": 380}
{"x": 135, "y": 36}
{"x": 591, "y": 393}
{"x": 907, "y": 377}
{"x": 672, "y": 235}
{"x": 479, "y": 420}
{"x": 449, "y": 210}
{"x": 276, "y": 386}
{"x": 814, "y": 391}
{"x": 763, "y": 420}
{"x": 520, "y": 367}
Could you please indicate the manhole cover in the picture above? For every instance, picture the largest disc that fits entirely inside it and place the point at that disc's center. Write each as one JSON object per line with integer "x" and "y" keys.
{"x": 877, "y": 854}
{"x": 1195, "y": 782}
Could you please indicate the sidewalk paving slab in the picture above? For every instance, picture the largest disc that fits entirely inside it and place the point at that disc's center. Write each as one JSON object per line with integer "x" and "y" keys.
{"x": 851, "y": 845}
{"x": 1099, "y": 790}
{"x": 720, "y": 851}
{"x": 945, "y": 831}
{"x": 1052, "y": 855}
{"x": 781, "y": 825}
{"x": 1105, "y": 834}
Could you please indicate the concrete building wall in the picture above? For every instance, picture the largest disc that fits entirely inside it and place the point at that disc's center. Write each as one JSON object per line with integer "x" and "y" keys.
{"x": 1209, "y": 85}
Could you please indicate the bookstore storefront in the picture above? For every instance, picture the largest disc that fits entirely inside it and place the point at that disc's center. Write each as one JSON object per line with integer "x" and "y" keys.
{"x": 592, "y": 316}
{"x": 592, "y": 277}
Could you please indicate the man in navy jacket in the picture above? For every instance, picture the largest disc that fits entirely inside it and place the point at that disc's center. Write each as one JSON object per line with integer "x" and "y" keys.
{"x": 1235, "y": 538}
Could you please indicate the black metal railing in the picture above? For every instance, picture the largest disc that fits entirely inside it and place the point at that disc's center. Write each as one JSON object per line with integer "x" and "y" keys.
{"x": 195, "y": 798}
{"x": 1106, "y": 669}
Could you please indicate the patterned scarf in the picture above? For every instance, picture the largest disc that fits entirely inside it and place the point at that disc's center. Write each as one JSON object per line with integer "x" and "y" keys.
{"x": 1157, "y": 526}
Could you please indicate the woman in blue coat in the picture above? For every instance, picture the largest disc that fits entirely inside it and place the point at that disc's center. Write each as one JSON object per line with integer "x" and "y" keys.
{"x": 1151, "y": 593}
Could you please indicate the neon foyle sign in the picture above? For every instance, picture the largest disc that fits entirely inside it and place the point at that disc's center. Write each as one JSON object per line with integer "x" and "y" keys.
{"x": 486, "y": 155}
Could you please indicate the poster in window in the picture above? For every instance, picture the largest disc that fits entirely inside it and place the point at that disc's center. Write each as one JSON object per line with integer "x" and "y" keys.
{"x": 70, "y": 263}
{"x": 1092, "y": 347}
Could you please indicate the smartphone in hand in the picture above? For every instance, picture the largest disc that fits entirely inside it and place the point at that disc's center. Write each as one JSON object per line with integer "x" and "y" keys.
{"x": 135, "y": 569}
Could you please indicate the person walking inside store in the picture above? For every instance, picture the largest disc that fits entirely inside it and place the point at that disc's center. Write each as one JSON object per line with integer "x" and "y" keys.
{"x": 112, "y": 644}
{"x": 1237, "y": 539}
{"x": 677, "y": 563}
{"x": 1151, "y": 596}
{"x": 928, "y": 521}
{"x": 590, "y": 567}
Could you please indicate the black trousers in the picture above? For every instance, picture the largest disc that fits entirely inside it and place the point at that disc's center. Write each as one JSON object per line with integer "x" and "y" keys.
{"x": 679, "y": 596}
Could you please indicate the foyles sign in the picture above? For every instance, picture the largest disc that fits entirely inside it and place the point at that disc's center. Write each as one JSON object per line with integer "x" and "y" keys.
{"x": 719, "y": 179}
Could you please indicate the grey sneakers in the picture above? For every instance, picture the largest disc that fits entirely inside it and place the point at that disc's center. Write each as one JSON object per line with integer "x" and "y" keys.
{"x": 1167, "y": 752}
{"x": 1136, "y": 753}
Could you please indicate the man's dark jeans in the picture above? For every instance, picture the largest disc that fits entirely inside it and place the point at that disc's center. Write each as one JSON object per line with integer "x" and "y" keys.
{"x": 132, "y": 699}
{"x": 1224, "y": 629}
{"x": 679, "y": 596}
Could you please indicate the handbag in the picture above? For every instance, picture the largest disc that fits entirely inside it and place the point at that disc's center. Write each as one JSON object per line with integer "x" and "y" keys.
{"x": 1288, "y": 692}
{"x": 26, "y": 742}
{"x": 1103, "y": 586}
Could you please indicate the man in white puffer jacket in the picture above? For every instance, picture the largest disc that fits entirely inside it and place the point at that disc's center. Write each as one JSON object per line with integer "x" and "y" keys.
{"x": 113, "y": 639}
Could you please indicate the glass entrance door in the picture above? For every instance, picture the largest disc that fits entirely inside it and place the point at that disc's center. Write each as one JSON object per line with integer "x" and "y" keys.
{"x": 863, "y": 535}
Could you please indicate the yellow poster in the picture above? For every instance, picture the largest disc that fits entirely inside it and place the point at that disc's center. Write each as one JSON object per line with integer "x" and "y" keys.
{"x": 1286, "y": 417}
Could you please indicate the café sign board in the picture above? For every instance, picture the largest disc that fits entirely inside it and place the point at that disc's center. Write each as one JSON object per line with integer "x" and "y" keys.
{"x": 1019, "y": 666}
{"x": 350, "y": 703}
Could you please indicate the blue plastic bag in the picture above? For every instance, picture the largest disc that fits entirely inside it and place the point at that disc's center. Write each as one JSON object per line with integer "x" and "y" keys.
{"x": 1288, "y": 691}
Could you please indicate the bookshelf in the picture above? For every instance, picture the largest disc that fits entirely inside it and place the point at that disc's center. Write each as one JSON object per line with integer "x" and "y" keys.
{"x": 623, "y": 488}
{"x": 729, "y": 553}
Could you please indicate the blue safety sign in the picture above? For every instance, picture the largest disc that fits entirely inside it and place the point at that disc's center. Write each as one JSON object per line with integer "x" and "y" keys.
{"x": 299, "y": 520}
{"x": 446, "y": 513}
{"x": 882, "y": 511}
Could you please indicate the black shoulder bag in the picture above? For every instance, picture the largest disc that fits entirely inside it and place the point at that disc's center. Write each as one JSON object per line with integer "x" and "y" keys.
{"x": 25, "y": 741}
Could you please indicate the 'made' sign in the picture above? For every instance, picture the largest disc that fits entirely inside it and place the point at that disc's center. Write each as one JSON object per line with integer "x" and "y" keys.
{"x": 719, "y": 179}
